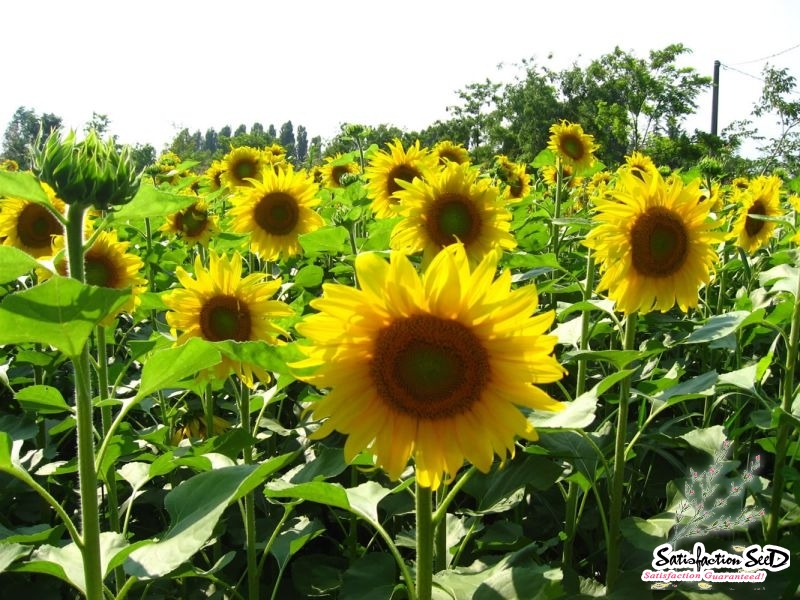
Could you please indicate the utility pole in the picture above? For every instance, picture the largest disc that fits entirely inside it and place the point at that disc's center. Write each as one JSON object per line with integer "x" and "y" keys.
{"x": 715, "y": 99}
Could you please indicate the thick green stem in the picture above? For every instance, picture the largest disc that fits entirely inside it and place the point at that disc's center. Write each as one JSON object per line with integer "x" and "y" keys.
{"x": 87, "y": 474}
{"x": 249, "y": 504}
{"x": 424, "y": 510}
{"x": 208, "y": 410}
{"x": 784, "y": 426}
{"x": 440, "y": 536}
{"x": 618, "y": 479}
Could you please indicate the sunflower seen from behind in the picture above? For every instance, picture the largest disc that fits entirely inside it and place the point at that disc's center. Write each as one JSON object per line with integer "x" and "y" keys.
{"x": 434, "y": 367}
{"x": 760, "y": 199}
{"x": 571, "y": 145}
{"x": 655, "y": 243}
{"x": 453, "y": 206}
{"x": 220, "y": 303}
{"x": 385, "y": 169}
{"x": 31, "y": 226}
{"x": 275, "y": 210}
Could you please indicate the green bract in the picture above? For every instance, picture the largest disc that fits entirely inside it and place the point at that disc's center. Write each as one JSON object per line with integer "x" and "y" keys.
{"x": 91, "y": 172}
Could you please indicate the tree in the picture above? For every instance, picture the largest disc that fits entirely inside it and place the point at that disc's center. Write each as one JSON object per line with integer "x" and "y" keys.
{"x": 143, "y": 156}
{"x": 211, "y": 142}
{"x": 286, "y": 138}
{"x": 25, "y": 128}
{"x": 778, "y": 98}
{"x": 302, "y": 144}
{"x": 273, "y": 135}
{"x": 240, "y": 130}
{"x": 99, "y": 123}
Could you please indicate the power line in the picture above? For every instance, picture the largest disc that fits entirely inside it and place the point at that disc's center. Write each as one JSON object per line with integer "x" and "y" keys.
{"x": 747, "y": 62}
{"x": 729, "y": 67}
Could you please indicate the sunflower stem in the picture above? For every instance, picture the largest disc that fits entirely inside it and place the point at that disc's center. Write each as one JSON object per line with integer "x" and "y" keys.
{"x": 554, "y": 226}
{"x": 87, "y": 473}
{"x": 618, "y": 479}
{"x": 106, "y": 419}
{"x": 249, "y": 503}
{"x": 208, "y": 410}
{"x": 424, "y": 514}
{"x": 784, "y": 426}
{"x": 440, "y": 535}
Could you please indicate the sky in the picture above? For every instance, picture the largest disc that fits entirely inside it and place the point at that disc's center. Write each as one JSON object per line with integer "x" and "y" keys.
{"x": 156, "y": 67}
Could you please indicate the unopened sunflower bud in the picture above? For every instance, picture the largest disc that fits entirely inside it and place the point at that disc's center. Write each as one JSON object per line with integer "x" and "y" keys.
{"x": 90, "y": 173}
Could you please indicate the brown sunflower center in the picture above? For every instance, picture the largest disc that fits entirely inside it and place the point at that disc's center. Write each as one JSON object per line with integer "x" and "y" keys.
{"x": 404, "y": 172}
{"x": 244, "y": 168}
{"x": 36, "y": 225}
{"x": 192, "y": 221}
{"x": 100, "y": 270}
{"x": 659, "y": 243}
{"x": 753, "y": 226}
{"x": 336, "y": 174}
{"x": 277, "y": 213}
{"x": 428, "y": 367}
{"x": 572, "y": 146}
{"x": 225, "y": 318}
{"x": 452, "y": 218}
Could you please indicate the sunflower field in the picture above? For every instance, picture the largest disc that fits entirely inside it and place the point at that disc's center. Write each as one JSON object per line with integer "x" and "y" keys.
{"x": 396, "y": 374}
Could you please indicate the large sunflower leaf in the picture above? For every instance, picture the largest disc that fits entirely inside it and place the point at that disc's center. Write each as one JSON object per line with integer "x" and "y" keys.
{"x": 195, "y": 507}
{"x": 165, "y": 368}
{"x": 717, "y": 327}
{"x": 291, "y": 540}
{"x": 15, "y": 263}
{"x": 326, "y": 240}
{"x": 60, "y": 312}
{"x": 371, "y": 577}
{"x": 22, "y": 185}
{"x": 9, "y": 552}
{"x": 152, "y": 202}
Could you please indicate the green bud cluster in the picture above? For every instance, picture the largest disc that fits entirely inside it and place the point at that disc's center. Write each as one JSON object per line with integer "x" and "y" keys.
{"x": 90, "y": 172}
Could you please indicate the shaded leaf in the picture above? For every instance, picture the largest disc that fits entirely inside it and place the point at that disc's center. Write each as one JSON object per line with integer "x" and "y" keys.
{"x": 290, "y": 541}
{"x": 371, "y": 577}
{"x": 716, "y": 327}
{"x": 22, "y": 185}
{"x": 163, "y": 369}
{"x": 9, "y": 552}
{"x": 43, "y": 399}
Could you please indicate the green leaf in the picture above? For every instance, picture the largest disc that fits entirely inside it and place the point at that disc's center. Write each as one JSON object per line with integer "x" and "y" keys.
{"x": 780, "y": 278}
{"x": 290, "y": 541}
{"x": 331, "y": 494}
{"x": 364, "y": 498}
{"x": 578, "y": 414}
{"x": 195, "y": 507}
{"x": 701, "y": 385}
{"x": 502, "y": 488}
{"x": 545, "y": 158}
{"x": 516, "y": 575}
{"x": 9, "y": 552}
{"x": 15, "y": 263}
{"x": 708, "y": 440}
{"x": 619, "y": 358}
{"x": 5, "y": 452}
{"x": 744, "y": 378}
{"x": 326, "y": 240}
{"x": 371, "y": 577}
{"x": 165, "y": 368}
{"x": 309, "y": 276}
{"x": 717, "y": 327}
{"x": 44, "y": 399}
{"x": 22, "y": 185}
{"x": 647, "y": 534}
{"x": 61, "y": 312}
{"x": 151, "y": 202}
{"x": 66, "y": 562}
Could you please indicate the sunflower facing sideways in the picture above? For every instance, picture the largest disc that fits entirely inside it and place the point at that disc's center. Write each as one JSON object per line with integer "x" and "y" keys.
{"x": 454, "y": 205}
{"x": 762, "y": 199}
{"x": 433, "y": 367}
{"x": 571, "y": 145}
{"x": 654, "y": 242}
{"x": 276, "y": 210}
{"x": 31, "y": 226}
{"x": 386, "y": 168}
{"x": 447, "y": 151}
{"x": 241, "y": 165}
{"x": 219, "y": 304}
{"x": 194, "y": 224}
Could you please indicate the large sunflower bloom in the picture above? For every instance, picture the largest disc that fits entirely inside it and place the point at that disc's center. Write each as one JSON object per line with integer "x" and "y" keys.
{"x": 386, "y": 168}
{"x": 455, "y": 205}
{"x": 432, "y": 367}
{"x": 31, "y": 226}
{"x": 761, "y": 198}
{"x": 276, "y": 210}
{"x": 194, "y": 224}
{"x": 571, "y": 145}
{"x": 219, "y": 304}
{"x": 654, "y": 243}
{"x": 241, "y": 166}
{"x": 639, "y": 164}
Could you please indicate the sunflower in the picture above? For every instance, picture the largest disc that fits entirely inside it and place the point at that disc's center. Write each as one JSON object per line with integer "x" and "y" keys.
{"x": 194, "y": 224}
{"x": 386, "y": 168}
{"x": 761, "y": 198}
{"x": 452, "y": 206}
{"x": 447, "y": 151}
{"x": 571, "y": 145}
{"x": 335, "y": 167}
{"x": 432, "y": 367}
{"x": 568, "y": 177}
{"x": 276, "y": 210}
{"x": 639, "y": 164}
{"x": 242, "y": 165}
{"x": 107, "y": 263}
{"x": 30, "y": 226}
{"x": 193, "y": 427}
{"x": 654, "y": 243}
{"x": 219, "y": 304}
{"x": 514, "y": 177}
{"x": 9, "y": 164}
{"x": 213, "y": 175}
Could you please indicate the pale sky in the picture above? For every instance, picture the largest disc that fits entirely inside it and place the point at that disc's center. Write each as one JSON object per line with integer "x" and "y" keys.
{"x": 155, "y": 67}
